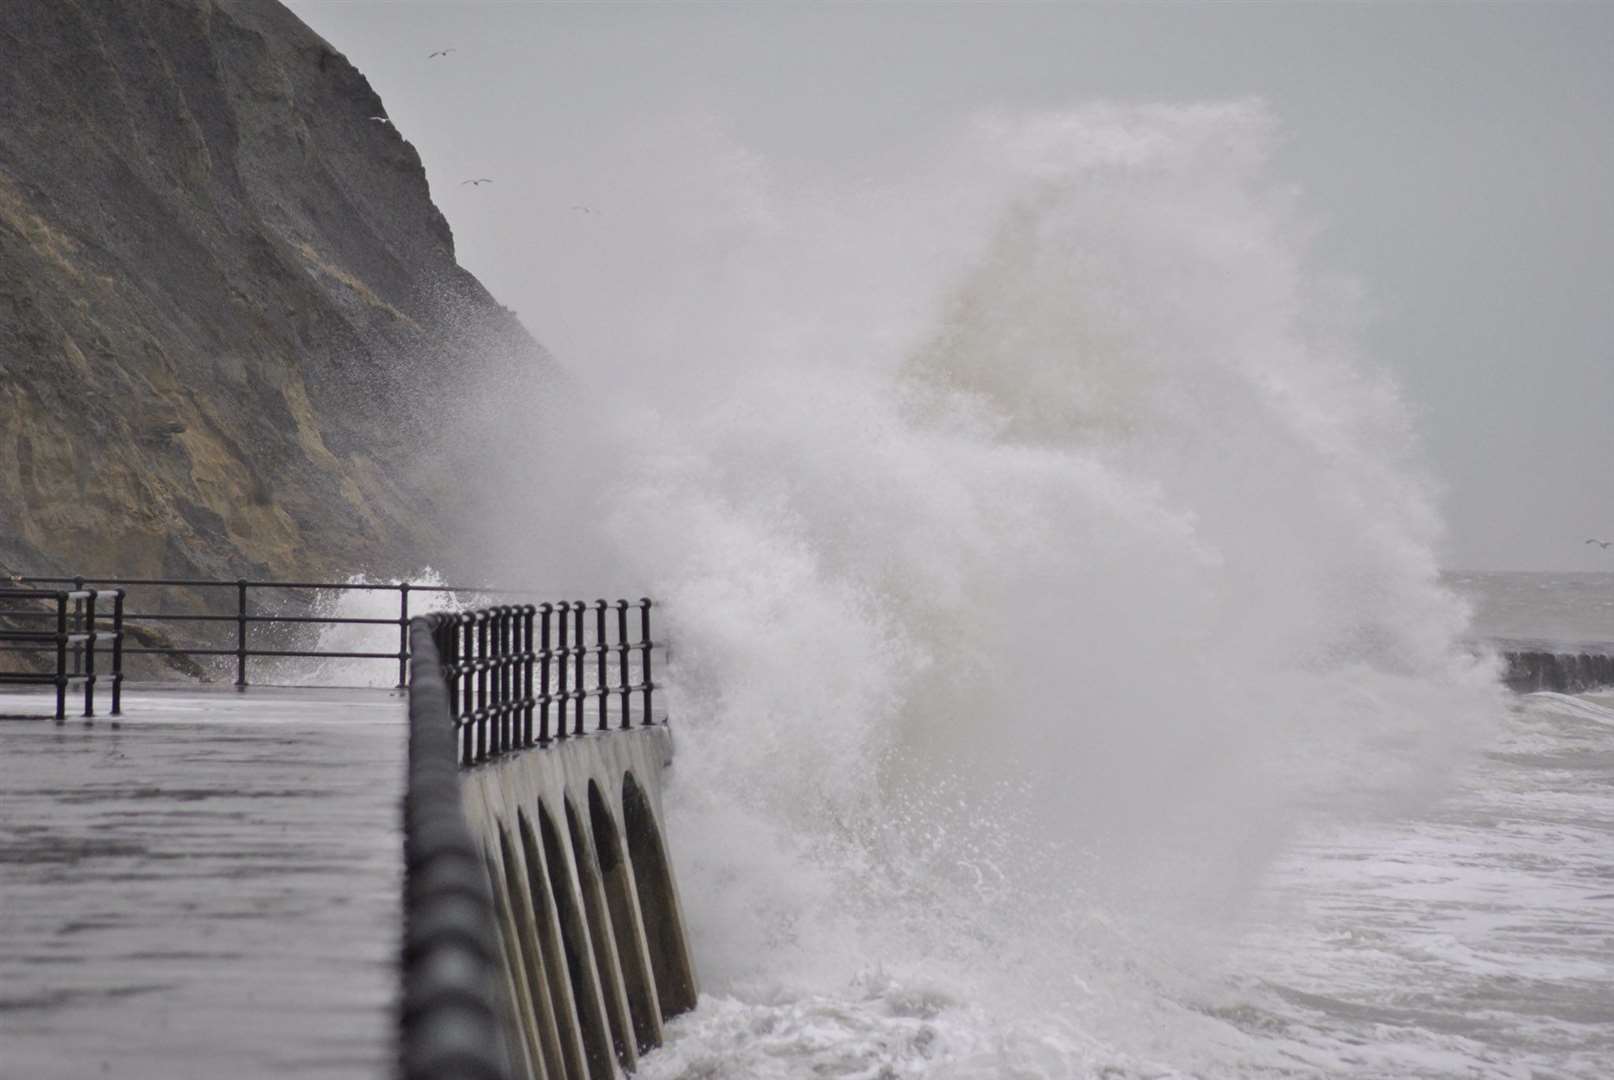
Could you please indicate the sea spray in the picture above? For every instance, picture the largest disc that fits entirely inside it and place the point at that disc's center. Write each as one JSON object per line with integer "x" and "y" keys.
{"x": 375, "y": 636}
{"x": 1037, "y": 552}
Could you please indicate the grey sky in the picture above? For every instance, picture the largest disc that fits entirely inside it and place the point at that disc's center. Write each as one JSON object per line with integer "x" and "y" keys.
{"x": 1460, "y": 159}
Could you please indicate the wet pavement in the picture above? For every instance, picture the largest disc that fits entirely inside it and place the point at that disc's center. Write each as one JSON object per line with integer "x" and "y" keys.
{"x": 209, "y": 888}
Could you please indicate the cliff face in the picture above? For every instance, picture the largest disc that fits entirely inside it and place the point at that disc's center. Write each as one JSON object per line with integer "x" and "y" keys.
{"x": 228, "y": 306}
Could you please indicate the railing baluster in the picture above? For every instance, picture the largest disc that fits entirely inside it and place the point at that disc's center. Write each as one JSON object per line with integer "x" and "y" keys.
{"x": 241, "y": 634}
{"x": 562, "y": 670}
{"x": 448, "y": 656}
{"x": 117, "y": 652}
{"x": 543, "y": 673}
{"x": 528, "y": 614}
{"x": 599, "y": 655}
{"x": 645, "y": 645}
{"x": 494, "y": 683}
{"x": 580, "y": 657}
{"x": 61, "y": 658}
{"x": 622, "y": 662}
{"x": 88, "y": 607}
{"x": 507, "y": 697}
{"x": 78, "y": 626}
{"x": 466, "y": 652}
{"x": 482, "y": 686}
{"x": 468, "y": 684}
{"x": 403, "y": 634}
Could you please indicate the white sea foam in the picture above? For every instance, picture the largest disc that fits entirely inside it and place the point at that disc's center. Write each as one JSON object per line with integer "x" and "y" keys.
{"x": 1575, "y": 706}
{"x": 1039, "y": 555}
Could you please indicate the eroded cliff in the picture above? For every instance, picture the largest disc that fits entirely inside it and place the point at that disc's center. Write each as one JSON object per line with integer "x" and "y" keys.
{"x": 229, "y": 312}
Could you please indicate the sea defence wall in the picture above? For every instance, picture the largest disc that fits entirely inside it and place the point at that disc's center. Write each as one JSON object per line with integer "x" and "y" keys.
{"x": 1530, "y": 669}
{"x": 543, "y": 930}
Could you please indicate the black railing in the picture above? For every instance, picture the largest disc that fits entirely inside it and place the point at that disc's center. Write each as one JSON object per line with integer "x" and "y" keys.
{"x": 240, "y": 595}
{"x": 449, "y": 1024}
{"x": 73, "y": 630}
{"x": 521, "y": 675}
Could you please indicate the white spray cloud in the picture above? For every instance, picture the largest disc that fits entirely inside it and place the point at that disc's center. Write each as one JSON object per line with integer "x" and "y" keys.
{"x": 1035, "y": 547}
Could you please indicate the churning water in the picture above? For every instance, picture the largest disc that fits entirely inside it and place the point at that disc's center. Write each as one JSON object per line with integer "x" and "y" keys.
{"x": 1063, "y": 681}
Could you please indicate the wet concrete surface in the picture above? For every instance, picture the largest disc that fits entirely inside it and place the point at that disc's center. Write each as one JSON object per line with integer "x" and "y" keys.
{"x": 209, "y": 888}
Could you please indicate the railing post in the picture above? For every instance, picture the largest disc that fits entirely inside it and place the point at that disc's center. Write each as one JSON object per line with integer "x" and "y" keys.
{"x": 117, "y": 652}
{"x": 580, "y": 655}
{"x": 403, "y": 634}
{"x": 622, "y": 661}
{"x": 600, "y": 666}
{"x": 78, "y": 625}
{"x": 61, "y": 658}
{"x": 506, "y": 716}
{"x": 467, "y": 654}
{"x": 543, "y": 673}
{"x": 464, "y": 651}
{"x": 644, "y": 658}
{"x": 512, "y": 673}
{"x": 527, "y": 614}
{"x": 482, "y": 687}
{"x": 89, "y": 656}
{"x": 241, "y": 634}
{"x": 563, "y": 655}
{"x": 445, "y": 635}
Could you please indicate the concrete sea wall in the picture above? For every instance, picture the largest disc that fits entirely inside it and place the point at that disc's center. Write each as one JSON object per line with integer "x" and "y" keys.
{"x": 589, "y": 921}
{"x": 543, "y": 934}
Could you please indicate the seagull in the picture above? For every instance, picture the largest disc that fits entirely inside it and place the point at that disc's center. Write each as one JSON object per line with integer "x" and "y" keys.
{"x": 381, "y": 119}
{"x": 439, "y": 52}
{"x": 585, "y": 209}
{"x": 477, "y": 182}
{"x": 1604, "y": 544}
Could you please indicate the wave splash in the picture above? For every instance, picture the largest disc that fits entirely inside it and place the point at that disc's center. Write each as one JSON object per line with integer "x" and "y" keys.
{"x": 1037, "y": 549}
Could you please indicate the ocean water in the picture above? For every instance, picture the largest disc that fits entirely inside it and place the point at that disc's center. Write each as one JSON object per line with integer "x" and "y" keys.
{"x": 1063, "y": 678}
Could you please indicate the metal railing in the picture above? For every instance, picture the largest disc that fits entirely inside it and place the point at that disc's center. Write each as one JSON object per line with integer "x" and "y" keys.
{"x": 72, "y": 632}
{"x": 241, "y": 594}
{"x": 511, "y": 670}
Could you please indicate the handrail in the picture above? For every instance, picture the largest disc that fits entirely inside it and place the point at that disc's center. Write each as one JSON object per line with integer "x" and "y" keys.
{"x": 244, "y": 648}
{"x": 230, "y": 583}
{"x": 76, "y": 624}
{"x": 448, "y": 1021}
{"x": 507, "y": 666}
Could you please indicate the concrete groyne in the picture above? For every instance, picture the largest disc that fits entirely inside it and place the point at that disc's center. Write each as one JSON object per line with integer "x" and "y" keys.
{"x": 544, "y": 936}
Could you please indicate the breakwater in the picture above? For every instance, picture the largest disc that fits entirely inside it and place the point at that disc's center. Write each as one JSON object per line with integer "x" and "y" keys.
{"x": 1543, "y": 668}
{"x": 543, "y": 932}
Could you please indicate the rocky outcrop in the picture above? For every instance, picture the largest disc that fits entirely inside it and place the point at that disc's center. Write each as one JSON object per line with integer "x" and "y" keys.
{"x": 229, "y": 311}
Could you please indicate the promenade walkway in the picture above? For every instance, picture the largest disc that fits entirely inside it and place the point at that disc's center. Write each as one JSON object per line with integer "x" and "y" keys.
{"x": 209, "y": 888}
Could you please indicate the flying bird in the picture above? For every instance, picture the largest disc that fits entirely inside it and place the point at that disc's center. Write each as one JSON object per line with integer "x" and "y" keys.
{"x": 478, "y": 182}
{"x": 1604, "y": 544}
{"x": 581, "y": 209}
{"x": 439, "y": 52}
{"x": 381, "y": 119}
